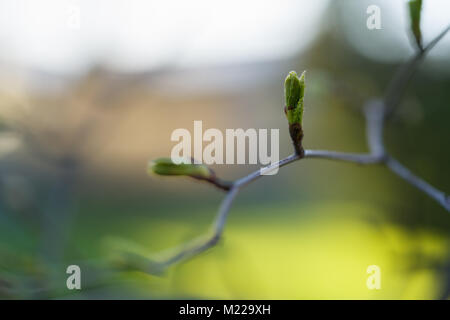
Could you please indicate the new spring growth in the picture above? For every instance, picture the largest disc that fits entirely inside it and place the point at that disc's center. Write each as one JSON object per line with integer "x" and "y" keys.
{"x": 167, "y": 167}
{"x": 294, "y": 90}
{"x": 415, "y": 7}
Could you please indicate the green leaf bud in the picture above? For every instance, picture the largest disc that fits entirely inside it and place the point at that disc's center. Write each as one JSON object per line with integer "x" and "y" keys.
{"x": 294, "y": 90}
{"x": 182, "y": 167}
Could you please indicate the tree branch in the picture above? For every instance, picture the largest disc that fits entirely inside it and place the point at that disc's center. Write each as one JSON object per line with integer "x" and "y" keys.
{"x": 417, "y": 182}
{"x": 376, "y": 112}
{"x": 397, "y": 86}
{"x": 204, "y": 243}
{"x": 359, "y": 158}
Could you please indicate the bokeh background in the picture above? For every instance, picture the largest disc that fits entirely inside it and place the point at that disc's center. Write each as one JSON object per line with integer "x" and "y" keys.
{"x": 90, "y": 91}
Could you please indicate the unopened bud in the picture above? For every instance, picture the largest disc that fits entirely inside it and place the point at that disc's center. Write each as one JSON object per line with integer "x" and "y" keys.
{"x": 294, "y": 90}
{"x": 167, "y": 167}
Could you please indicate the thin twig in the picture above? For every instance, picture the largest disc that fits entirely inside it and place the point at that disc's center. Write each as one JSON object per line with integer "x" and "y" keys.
{"x": 359, "y": 158}
{"x": 257, "y": 174}
{"x": 202, "y": 244}
{"x": 376, "y": 112}
{"x": 417, "y": 182}
{"x": 397, "y": 86}
{"x": 218, "y": 183}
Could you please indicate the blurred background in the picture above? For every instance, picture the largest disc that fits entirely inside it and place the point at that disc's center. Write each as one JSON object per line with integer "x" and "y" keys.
{"x": 90, "y": 91}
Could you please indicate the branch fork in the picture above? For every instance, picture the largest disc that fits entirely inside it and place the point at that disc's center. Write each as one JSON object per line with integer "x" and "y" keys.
{"x": 376, "y": 113}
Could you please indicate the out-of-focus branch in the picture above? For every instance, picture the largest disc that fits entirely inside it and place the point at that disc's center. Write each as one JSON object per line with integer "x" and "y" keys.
{"x": 397, "y": 86}
{"x": 417, "y": 182}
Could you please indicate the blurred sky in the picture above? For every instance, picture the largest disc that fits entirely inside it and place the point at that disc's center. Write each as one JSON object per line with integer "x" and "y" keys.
{"x": 131, "y": 35}
{"x": 69, "y": 36}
